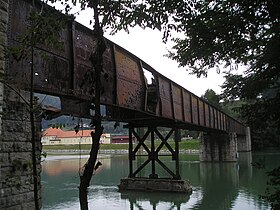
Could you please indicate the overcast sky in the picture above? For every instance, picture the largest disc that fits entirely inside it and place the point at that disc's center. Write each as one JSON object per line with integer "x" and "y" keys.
{"x": 147, "y": 45}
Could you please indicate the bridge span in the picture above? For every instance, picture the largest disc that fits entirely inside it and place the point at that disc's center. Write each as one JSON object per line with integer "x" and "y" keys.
{"x": 64, "y": 72}
{"x": 132, "y": 91}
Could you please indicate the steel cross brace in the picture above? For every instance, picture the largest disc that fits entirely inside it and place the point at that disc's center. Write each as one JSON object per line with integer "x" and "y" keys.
{"x": 152, "y": 153}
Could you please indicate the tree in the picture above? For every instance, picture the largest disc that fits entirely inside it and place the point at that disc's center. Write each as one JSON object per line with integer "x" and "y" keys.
{"x": 230, "y": 32}
{"x": 272, "y": 193}
{"x": 233, "y": 108}
{"x": 233, "y": 33}
{"x": 212, "y": 97}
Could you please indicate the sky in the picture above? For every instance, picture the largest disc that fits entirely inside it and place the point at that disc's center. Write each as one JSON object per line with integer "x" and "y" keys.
{"x": 147, "y": 45}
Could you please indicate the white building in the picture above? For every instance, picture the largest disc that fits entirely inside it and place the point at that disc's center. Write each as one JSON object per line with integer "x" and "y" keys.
{"x": 56, "y": 136}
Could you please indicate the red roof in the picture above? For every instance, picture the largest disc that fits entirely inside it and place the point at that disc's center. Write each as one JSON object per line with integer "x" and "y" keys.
{"x": 66, "y": 134}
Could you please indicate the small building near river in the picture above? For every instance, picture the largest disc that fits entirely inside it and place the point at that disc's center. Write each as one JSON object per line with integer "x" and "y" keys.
{"x": 57, "y": 136}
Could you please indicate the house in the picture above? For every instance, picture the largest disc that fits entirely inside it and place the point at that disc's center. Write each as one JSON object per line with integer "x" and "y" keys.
{"x": 56, "y": 136}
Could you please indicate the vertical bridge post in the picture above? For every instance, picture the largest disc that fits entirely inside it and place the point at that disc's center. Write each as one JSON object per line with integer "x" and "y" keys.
{"x": 244, "y": 141}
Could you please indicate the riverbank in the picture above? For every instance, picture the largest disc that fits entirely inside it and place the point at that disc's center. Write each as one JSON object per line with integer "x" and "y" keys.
{"x": 84, "y": 152}
{"x": 185, "y": 147}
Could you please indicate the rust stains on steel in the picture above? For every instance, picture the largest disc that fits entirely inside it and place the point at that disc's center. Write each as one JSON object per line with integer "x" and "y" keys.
{"x": 131, "y": 86}
{"x": 67, "y": 72}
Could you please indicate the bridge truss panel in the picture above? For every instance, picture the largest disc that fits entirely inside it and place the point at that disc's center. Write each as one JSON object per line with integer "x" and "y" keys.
{"x": 48, "y": 61}
{"x": 165, "y": 96}
{"x": 84, "y": 43}
{"x": 177, "y": 102}
{"x": 83, "y": 80}
{"x": 219, "y": 119}
{"x": 194, "y": 103}
{"x": 201, "y": 112}
{"x": 211, "y": 115}
{"x": 131, "y": 86}
{"x": 224, "y": 122}
{"x": 207, "y": 114}
{"x": 187, "y": 106}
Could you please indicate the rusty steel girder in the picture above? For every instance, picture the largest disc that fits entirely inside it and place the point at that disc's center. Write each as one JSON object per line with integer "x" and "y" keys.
{"x": 66, "y": 71}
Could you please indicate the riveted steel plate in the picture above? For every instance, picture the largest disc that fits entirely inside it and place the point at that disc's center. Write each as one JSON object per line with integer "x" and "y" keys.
{"x": 84, "y": 74}
{"x": 215, "y": 118}
{"x": 187, "y": 106}
{"x": 212, "y": 122}
{"x": 219, "y": 119}
{"x": 207, "y": 117}
{"x": 51, "y": 64}
{"x": 194, "y": 109}
{"x": 177, "y": 102}
{"x": 165, "y": 95}
{"x": 131, "y": 88}
{"x": 201, "y": 112}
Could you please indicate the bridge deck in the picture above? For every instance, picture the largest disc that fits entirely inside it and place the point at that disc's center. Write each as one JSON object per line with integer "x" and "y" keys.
{"x": 126, "y": 90}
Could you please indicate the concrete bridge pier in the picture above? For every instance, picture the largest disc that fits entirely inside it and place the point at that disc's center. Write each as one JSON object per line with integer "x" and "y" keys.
{"x": 244, "y": 142}
{"x": 216, "y": 147}
{"x": 16, "y": 172}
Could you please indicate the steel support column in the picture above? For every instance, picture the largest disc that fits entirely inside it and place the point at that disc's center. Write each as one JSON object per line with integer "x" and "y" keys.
{"x": 153, "y": 156}
{"x": 130, "y": 153}
{"x": 153, "y": 153}
{"x": 177, "y": 139}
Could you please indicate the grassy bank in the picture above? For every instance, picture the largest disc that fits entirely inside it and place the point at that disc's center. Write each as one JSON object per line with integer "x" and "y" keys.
{"x": 184, "y": 145}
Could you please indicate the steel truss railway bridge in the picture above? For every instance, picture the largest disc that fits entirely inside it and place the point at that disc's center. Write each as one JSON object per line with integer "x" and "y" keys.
{"x": 128, "y": 95}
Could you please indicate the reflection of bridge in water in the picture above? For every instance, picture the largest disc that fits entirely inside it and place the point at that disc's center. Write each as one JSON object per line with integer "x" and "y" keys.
{"x": 128, "y": 95}
{"x": 136, "y": 198}
{"x": 219, "y": 196}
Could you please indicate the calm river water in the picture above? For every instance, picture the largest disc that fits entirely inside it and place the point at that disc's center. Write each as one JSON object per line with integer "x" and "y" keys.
{"x": 216, "y": 186}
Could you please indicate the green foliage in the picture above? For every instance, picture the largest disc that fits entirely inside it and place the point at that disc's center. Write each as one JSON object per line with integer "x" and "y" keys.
{"x": 273, "y": 193}
{"x": 189, "y": 144}
{"x": 260, "y": 113}
{"x": 123, "y": 15}
{"x": 233, "y": 108}
{"x": 212, "y": 97}
{"x": 43, "y": 155}
{"x": 232, "y": 32}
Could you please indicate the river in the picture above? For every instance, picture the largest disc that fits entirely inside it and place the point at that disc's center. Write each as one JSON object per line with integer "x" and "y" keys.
{"x": 216, "y": 186}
